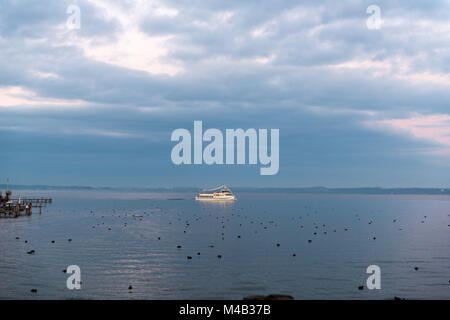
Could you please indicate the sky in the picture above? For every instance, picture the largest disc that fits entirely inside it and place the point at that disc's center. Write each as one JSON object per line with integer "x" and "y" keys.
{"x": 96, "y": 105}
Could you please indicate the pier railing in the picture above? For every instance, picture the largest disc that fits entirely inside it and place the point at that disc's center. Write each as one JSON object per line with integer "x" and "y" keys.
{"x": 33, "y": 200}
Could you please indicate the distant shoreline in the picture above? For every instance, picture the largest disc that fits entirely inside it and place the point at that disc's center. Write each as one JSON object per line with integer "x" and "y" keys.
{"x": 305, "y": 190}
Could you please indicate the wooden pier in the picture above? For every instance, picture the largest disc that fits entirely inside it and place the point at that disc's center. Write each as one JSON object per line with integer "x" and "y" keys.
{"x": 14, "y": 208}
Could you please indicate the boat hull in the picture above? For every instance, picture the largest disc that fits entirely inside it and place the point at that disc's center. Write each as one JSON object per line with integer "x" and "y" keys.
{"x": 224, "y": 198}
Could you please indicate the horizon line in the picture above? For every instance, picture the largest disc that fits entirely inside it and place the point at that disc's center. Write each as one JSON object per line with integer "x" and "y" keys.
{"x": 22, "y": 186}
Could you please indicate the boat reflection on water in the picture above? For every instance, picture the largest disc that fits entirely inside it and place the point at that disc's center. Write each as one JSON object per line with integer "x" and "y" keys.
{"x": 222, "y": 206}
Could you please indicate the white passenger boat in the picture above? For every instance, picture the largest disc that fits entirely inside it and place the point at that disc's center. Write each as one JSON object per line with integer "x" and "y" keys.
{"x": 221, "y": 193}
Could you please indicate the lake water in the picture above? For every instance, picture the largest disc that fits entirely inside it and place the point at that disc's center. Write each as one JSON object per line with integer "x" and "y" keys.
{"x": 123, "y": 239}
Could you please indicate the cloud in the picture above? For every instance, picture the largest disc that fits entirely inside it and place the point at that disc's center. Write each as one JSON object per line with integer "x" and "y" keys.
{"x": 434, "y": 128}
{"x": 136, "y": 70}
{"x": 130, "y": 47}
{"x": 19, "y": 97}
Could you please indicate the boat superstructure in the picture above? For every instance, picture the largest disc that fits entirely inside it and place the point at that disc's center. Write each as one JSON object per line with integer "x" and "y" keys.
{"x": 221, "y": 193}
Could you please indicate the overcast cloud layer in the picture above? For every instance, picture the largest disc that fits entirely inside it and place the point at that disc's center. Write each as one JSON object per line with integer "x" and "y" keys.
{"x": 96, "y": 105}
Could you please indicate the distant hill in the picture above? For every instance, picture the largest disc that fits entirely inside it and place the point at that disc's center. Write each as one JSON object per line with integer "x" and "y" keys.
{"x": 365, "y": 190}
{"x": 310, "y": 190}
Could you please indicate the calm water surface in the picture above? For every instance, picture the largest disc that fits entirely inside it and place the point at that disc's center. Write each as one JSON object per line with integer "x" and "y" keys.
{"x": 127, "y": 239}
